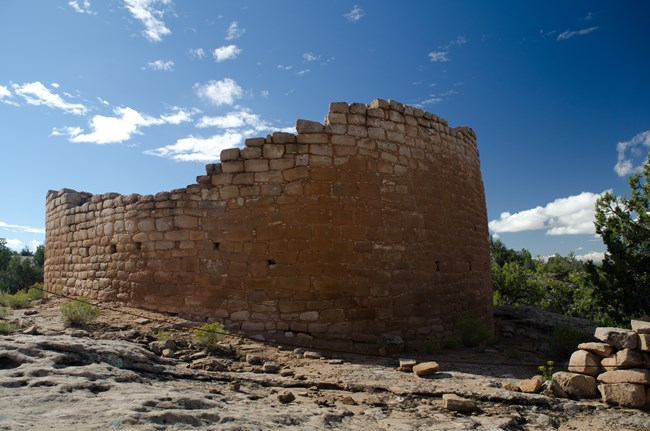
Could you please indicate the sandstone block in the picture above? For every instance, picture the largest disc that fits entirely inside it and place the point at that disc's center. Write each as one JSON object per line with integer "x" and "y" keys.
{"x": 458, "y": 404}
{"x": 313, "y": 138}
{"x": 577, "y": 385}
{"x": 641, "y": 326}
{"x": 305, "y": 126}
{"x": 234, "y": 166}
{"x": 584, "y": 362}
{"x": 644, "y": 342}
{"x": 407, "y": 364}
{"x": 617, "y": 337}
{"x": 339, "y": 107}
{"x": 623, "y": 394}
{"x": 637, "y": 376}
{"x": 380, "y": 103}
{"x": 532, "y": 385}
{"x": 283, "y": 138}
{"x": 334, "y": 118}
{"x": 251, "y": 153}
{"x": 273, "y": 151}
{"x": 600, "y": 349}
{"x": 426, "y": 369}
{"x": 551, "y": 388}
{"x": 628, "y": 358}
{"x": 229, "y": 154}
{"x": 254, "y": 142}
{"x": 257, "y": 165}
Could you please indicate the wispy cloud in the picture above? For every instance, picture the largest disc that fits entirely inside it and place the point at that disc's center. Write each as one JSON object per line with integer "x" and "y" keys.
{"x": 6, "y": 96}
{"x": 569, "y": 34}
{"x": 355, "y": 14}
{"x": 121, "y": 127}
{"x": 20, "y": 228}
{"x": 282, "y": 67}
{"x": 632, "y": 154}
{"x": 197, "y": 53}
{"x": 197, "y": 149}
{"x": 438, "y": 56}
{"x": 234, "y": 31}
{"x": 150, "y": 13}
{"x": 309, "y": 56}
{"x": 441, "y": 55}
{"x": 224, "y": 92}
{"x": 565, "y": 216}
{"x": 595, "y": 256}
{"x": 589, "y": 16}
{"x": 242, "y": 118}
{"x": 81, "y": 6}
{"x": 35, "y": 93}
{"x": 167, "y": 65}
{"x": 303, "y": 72}
{"x": 228, "y": 52}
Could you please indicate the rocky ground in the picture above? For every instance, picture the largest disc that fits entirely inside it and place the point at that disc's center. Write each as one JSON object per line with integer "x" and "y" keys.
{"x": 109, "y": 375}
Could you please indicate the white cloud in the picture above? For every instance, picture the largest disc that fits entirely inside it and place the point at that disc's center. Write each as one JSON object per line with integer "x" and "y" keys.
{"x": 4, "y": 92}
{"x": 197, "y": 149}
{"x": 264, "y": 93}
{"x": 460, "y": 40}
{"x": 120, "y": 128}
{"x": 309, "y": 56}
{"x": 632, "y": 154}
{"x": 234, "y": 31}
{"x": 35, "y": 93}
{"x": 15, "y": 244}
{"x": 20, "y": 228}
{"x": 595, "y": 256}
{"x": 303, "y": 72}
{"x": 440, "y": 56}
{"x": 81, "y": 6}
{"x": 228, "y": 52}
{"x": 167, "y": 66}
{"x": 244, "y": 117}
{"x": 151, "y": 16}
{"x": 569, "y": 34}
{"x": 197, "y": 52}
{"x": 355, "y": 14}
{"x": 223, "y": 92}
{"x": 54, "y": 85}
{"x": 565, "y": 216}
{"x": 281, "y": 67}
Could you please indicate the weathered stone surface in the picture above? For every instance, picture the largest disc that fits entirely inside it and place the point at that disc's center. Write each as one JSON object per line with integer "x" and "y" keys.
{"x": 407, "y": 364}
{"x": 389, "y": 343}
{"x": 458, "y": 404}
{"x": 623, "y": 394}
{"x": 584, "y": 362}
{"x": 286, "y": 397}
{"x": 532, "y": 385}
{"x": 576, "y": 385}
{"x": 644, "y": 342}
{"x": 551, "y": 388}
{"x": 641, "y": 326}
{"x": 638, "y": 376}
{"x": 617, "y": 337}
{"x": 426, "y": 368}
{"x": 600, "y": 349}
{"x": 628, "y": 358}
{"x": 305, "y": 126}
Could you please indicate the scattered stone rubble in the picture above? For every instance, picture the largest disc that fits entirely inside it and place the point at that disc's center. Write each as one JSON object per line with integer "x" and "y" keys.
{"x": 616, "y": 368}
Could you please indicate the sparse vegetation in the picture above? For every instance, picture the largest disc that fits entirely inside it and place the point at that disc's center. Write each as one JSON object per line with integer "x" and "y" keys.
{"x": 472, "y": 332}
{"x": 208, "y": 335}
{"x": 19, "y": 270}
{"x": 564, "y": 340}
{"x": 163, "y": 335}
{"x": 7, "y": 328}
{"x": 79, "y": 312}
{"x": 35, "y": 291}
{"x": 547, "y": 370}
{"x": 4, "y": 312}
{"x": 19, "y": 299}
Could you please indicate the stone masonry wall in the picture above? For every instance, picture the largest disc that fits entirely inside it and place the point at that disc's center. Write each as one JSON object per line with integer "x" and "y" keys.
{"x": 373, "y": 222}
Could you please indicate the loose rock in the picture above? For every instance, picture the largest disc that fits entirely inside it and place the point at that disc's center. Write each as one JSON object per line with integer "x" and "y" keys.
{"x": 426, "y": 369}
{"x": 532, "y": 385}
{"x": 584, "y": 362}
{"x": 458, "y": 404}
{"x": 638, "y": 376}
{"x": 600, "y": 349}
{"x": 577, "y": 385}
{"x": 617, "y": 337}
{"x": 286, "y": 397}
{"x": 623, "y": 394}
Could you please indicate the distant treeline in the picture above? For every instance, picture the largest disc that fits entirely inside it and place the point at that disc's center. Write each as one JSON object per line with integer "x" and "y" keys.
{"x": 19, "y": 270}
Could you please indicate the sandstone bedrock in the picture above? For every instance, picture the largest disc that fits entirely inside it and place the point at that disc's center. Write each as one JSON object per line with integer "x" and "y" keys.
{"x": 371, "y": 223}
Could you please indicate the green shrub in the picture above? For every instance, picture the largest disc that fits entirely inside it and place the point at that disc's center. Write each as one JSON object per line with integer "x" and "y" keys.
{"x": 431, "y": 345}
{"x": 4, "y": 312}
{"x": 35, "y": 291}
{"x": 79, "y": 312}
{"x": 209, "y": 334}
{"x": 7, "y": 328}
{"x": 547, "y": 370}
{"x": 471, "y": 332}
{"x": 163, "y": 335}
{"x": 17, "y": 300}
{"x": 452, "y": 343}
{"x": 565, "y": 340}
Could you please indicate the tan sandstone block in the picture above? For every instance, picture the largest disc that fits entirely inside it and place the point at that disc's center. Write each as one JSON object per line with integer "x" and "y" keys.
{"x": 584, "y": 362}
{"x": 623, "y": 394}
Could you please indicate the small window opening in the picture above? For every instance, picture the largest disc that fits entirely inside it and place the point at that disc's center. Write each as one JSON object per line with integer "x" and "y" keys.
{"x": 138, "y": 246}
{"x": 113, "y": 249}
{"x": 469, "y": 265}
{"x": 216, "y": 245}
{"x": 437, "y": 266}
{"x": 271, "y": 263}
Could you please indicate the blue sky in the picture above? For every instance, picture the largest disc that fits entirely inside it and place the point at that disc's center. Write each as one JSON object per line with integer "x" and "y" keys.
{"x": 136, "y": 96}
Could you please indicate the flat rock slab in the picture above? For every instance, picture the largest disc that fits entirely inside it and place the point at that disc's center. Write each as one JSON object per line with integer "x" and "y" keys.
{"x": 426, "y": 369}
{"x": 641, "y": 326}
{"x": 638, "y": 376}
{"x": 458, "y": 404}
{"x": 600, "y": 349}
{"x": 617, "y": 337}
{"x": 623, "y": 394}
{"x": 577, "y": 385}
{"x": 532, "y": 385}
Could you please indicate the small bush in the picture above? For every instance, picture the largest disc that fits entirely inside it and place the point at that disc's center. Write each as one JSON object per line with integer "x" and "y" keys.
{"x": 79, "y": 312}
{"x": 565, "y": 340}
{"x": 431, "y": 346}
{"x": 452, "y": 343}
{"x": 209, "y": 334}
{"x": 471, "y": 332}
{"x": 35, "y": 291}
{"x": 17, "y": 300}
{"x": 163, "y": 335}
{"x": 4, "y": 312}
{"x": 547, "y": 370}
{"x": 7, "y": 328}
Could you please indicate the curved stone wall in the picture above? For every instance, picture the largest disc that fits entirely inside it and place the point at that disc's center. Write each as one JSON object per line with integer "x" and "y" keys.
{"x": 373, "y": 222}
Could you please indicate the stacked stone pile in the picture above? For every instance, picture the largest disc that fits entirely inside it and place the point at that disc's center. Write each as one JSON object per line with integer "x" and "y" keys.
{"x": 617, "y": 366}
